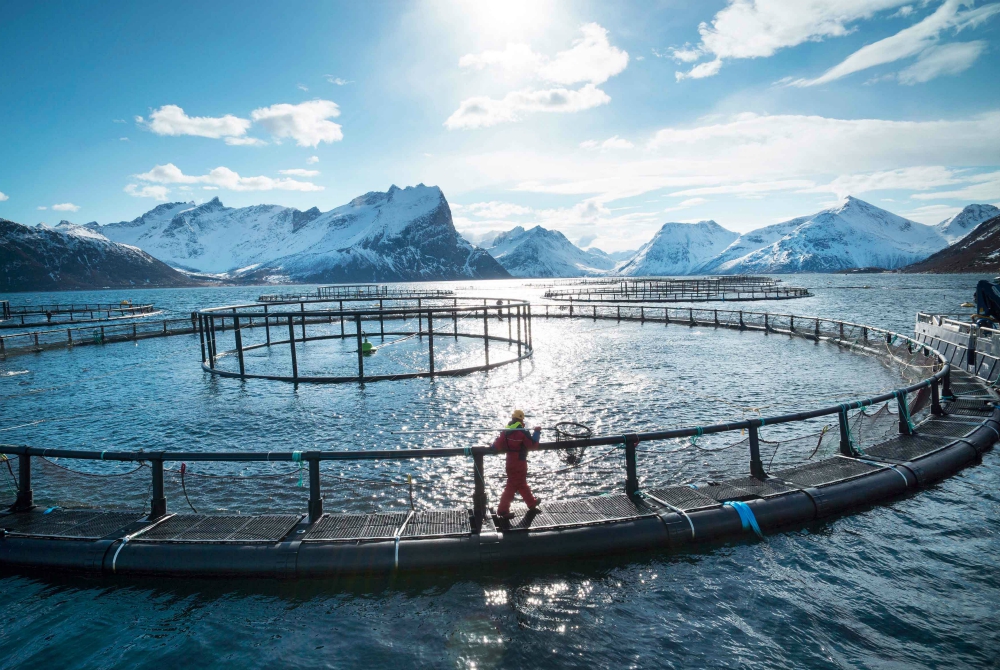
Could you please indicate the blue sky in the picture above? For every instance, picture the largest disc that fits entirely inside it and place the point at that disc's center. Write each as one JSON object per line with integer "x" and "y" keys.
{"x": 603, "y": 120}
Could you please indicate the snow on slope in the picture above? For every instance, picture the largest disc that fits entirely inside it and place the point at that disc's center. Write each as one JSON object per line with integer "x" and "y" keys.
{"x": 960, "y": 225}
{"x": 539, "y": 252}
{"x": 399, "y": 235}
{"x": 852, "y": 235}
{"x": 678, "y": 249}
{"x": 66, "y": 256}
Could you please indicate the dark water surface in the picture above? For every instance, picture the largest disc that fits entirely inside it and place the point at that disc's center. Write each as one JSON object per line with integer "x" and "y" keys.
{"x": 910, "y": 584}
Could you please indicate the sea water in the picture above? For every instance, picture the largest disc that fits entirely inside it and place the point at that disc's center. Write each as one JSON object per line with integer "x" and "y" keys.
{"x": 908, "y": 584}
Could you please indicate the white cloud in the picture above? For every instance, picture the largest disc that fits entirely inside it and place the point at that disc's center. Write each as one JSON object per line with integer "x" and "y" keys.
{"x": 686, "y": 54}
{"x": 245, "y": 142}
{"x": 302, "y": 87}
{"x": 146, "y": 191}
{"x": 300, "y": 172}
{"x": 171, "y": 120}
{"x": 337, "y": 81}
{"x": 614, "y": 142}
{"x": 496, "y": 210}
{"x": 591, "y": 60}
{"x": 947, "y": 59}
{"x": 66, "y": 207}
{"x": 919, "y": 178}
{"x": 915, "y": 40}
{"x": 120, "y": 121}
{"x": 42, "y": 207}
{"x": 932, "y": 214}
{"x": 307, "y": 123}
{"x": 979, "y": 188}
{"x": 903, "y": 12}
{"x": 759, "y": 28}
{"x": 483, "y": 112}
{"x": 748, "y": 189}
{"x": 514, "y": 58}
{"x": 709, "y": 69}
{"x": 123, "y": 139}
{"x": 312, "y": 160}
{"x": 691, "y": 202}
{"x": 4, "y": 196}
{"x": 223, "y": 177}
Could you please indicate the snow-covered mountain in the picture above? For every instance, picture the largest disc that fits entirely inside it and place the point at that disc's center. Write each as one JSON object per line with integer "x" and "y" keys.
{"x": 538, "y": 252}
{"x": 854, "y": 234}
{"x": 955, "y": 228}
{"x": 66, "y": 256}
{"x": 978, "y": 252}
{"x": 400, "y": 235}
{"x": 678, "y": 249}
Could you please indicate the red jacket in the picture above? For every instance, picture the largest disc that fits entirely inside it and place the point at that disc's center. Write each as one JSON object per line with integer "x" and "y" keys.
{"x": 516, "y": 442}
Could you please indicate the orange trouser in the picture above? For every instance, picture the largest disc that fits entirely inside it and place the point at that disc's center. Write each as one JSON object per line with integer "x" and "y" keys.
{"x": 517, "y": 482}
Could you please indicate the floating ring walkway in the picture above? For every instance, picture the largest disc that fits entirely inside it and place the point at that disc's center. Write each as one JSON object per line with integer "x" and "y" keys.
{"x": 964, "y": 422}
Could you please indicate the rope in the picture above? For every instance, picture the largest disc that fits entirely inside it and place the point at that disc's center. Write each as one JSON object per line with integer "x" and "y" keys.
{"x": 747, "y": 518}
{"x": 184, "y": 488}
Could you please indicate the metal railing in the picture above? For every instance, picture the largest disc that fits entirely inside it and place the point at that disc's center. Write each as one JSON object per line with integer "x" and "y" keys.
{"x": 104, "y": 333}
{"x": 356, "y": 292}
{"x": 38, "y": 315}
{"x": 681, "y": 290}
{"x": 370, "y": 311}
{"x": 937, "y": 383}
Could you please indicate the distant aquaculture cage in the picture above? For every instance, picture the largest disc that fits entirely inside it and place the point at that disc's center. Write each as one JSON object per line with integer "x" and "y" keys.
{"x": 434, "y": 321}
{"x": 724, "y": 289}
{"x": 338, "y": 291}
{"x": 17, "y": 316}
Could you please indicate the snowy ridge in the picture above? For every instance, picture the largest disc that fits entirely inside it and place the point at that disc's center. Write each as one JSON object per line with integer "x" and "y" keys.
{"x": 399, "y": 235}
{"x": 955, "y": 228}
{"x": 538, "y": 252}
{"x": 67, "y": 256}
{"x": 678, "y": 249}
{"x": 854, "y": 234}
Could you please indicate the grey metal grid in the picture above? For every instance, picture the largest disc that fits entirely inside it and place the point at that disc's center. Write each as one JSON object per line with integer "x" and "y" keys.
{"x": 908, "y": 447}
{"x": 438, "y": 522}
{"x": 760, "y": 489}
{"x": 618, "y": 507}
{"x": 342, "y": 527}
{"x": 969, "y": 408}
{"x": 229, "y": 529}
{"x": 684, "y": 498}
{"x": 826, "y": 472}
{"x": 70, "y": 524}
{"x": 951, "y": 429}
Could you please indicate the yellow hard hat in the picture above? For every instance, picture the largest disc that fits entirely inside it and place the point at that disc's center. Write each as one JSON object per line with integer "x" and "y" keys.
{"x": 518, "y": 415}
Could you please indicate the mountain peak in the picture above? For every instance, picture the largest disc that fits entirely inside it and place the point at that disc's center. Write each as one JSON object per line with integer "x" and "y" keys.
{"x": 957, "y": 227}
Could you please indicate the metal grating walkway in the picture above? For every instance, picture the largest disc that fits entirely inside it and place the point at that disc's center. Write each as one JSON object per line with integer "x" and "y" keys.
{"x": 683, "y": 498}
{"x": 603, "y": 509}
{"x": 69, "y": 524}
{"x": 975, "y": 407}
{"x": 908, "y": 447}
{"x": 826, "y": 472}
{"x": 439, "y": 523}
{"x": 745, "y": 488}
{"x": 344, "y": 527}
{"x": 227, "y": 529}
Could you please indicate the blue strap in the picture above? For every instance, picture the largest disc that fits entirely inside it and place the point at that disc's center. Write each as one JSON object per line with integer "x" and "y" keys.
{"x": 746, "y": 516}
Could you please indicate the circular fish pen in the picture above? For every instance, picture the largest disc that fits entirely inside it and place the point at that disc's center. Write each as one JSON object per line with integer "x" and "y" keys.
{"x": 371, "y": 291}
{"x": 380, "y": 339}
{"x": 724, "y": 289}
{"x": 17, "y": 316}
{"x": 944, "y": 419}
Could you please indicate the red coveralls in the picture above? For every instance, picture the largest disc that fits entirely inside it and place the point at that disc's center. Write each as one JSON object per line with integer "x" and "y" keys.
{"x": 516, "y": 442}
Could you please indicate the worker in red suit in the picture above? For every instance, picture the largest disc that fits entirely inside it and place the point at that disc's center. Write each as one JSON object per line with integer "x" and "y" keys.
{"x": 516, "y": 441}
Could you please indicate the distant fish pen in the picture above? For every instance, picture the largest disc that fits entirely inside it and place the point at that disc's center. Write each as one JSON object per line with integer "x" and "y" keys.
{"x": 337, "y": 291}
{"x": 358, "y": 318}
{"x": 940, "y": 422}
{"x": 724, "y": 289}
{"x": 62, "y": 314}
{"x": 107, "y": 332}
{"x": 4, "y": 310}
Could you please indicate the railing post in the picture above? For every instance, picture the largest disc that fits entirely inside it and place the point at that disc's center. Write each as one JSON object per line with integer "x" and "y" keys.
{"x": 454, "y": 319}
{"x": 315, "y": 500}
{"x": 158, "y": 506}
{"x": 239, "y": 343}
{"x": 756, "y": 465}
{"x": 479, "y": 499}
{"x": 267, "y": 326}
{"x": 946, "y": 390}
{"x": 841, "y": 330}
{"x": 904, "y": 414}
{"x": 25, "y": 497}
{"x": 361, "y": 355}
{"x": 211, "y": 341}
{"x": 201, "y": 335}
{"x": 743, "y": 326}
{"x": 970, "y": 357}
{"x": 381, "y": 322}
{"x": 486, "y": 334}
{"x": 936, "y": 398}
{"x": 341, "y": 319}
{"x": 430, "y": 340}
{"x": 519, "y": 331}
{"x": 846, "y": 448}
{"x": 420, "y": 320}
{"x": 631, "y": 477}
{"x": 291, "y": 343}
